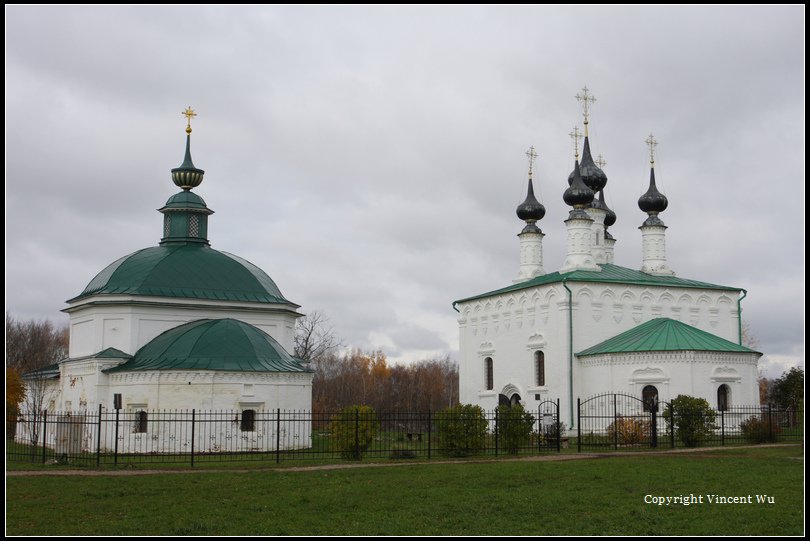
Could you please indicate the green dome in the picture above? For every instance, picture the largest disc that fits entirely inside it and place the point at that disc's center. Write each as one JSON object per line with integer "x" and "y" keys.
{"x": 213, "y": 344}
{"x": 185, "y": 200}
{"x": 185, "y": 270}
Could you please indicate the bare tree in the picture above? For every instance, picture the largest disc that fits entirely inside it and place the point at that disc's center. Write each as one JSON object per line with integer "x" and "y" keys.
{"x": 33, "y": 347}
{"x": 32, "y": 344}
{"x": 748, "y": 338}
{"x": 314, "y": 337}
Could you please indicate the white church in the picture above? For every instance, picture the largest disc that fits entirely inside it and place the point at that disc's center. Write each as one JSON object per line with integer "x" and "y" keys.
{"x": 593, "y": 326}
{"x": 181, "y": 326}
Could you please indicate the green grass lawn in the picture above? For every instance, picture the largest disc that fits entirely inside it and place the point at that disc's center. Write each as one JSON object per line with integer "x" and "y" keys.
{"x": 591, "y": 497}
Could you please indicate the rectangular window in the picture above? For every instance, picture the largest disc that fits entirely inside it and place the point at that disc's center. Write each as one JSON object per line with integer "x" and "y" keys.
{"x": 141, "y": 422}
{"x": 248, "y": 423}
{"x": 540, "y": 368}
{"x": 489, "y": 376}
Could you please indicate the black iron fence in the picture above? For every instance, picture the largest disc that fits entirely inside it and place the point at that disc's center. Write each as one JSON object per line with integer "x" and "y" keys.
{"x": 612, "y": 421}
{"x": 105, "y": 436}
{"x": 622, "y": 421}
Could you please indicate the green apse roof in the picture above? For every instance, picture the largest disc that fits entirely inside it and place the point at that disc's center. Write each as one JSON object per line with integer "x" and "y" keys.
{"x": 213, "y": 344}
{"x": 664, "y": 334}
{"x": 185, "y": 270}
{"x": 610, "y": 274}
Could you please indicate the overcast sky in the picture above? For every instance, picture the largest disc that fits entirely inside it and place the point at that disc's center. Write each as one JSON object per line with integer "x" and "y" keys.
{"x": 370, "y": 159}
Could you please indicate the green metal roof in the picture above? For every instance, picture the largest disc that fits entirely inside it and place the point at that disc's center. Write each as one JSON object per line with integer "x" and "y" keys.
{"x": 46, "y": 372}
{"x": 186, "y": 200}
{"x": 213, "y": 344}
{"x": 610, "y": 274}
{"x": 110, "y": 353}
{"x": 664, "y": 334}
{"x": 185, "y": 270}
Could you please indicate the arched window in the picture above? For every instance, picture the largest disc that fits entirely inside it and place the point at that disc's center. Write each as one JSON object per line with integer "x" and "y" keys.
{"x": 489, "y": 378}
{"x": 141, "y": 421}
{"x": 723, "y": 397}
{"x": 649, "y": 395}
{"x": 539, "y": 369}
{"x": 248, "y": 423}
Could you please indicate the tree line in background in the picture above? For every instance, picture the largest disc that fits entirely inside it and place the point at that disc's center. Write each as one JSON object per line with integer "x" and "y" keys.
{"x": 359, "y": 377}
{"x": 786, "y": 391}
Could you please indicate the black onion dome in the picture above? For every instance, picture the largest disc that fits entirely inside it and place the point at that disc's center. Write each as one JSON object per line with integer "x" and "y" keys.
{"x": 593, "y": 177}
{"x": 610, "y": 217}
{"x": 531, "y": 210}
{"x": 653, "y": 201}
{"x": 578, "y": 195}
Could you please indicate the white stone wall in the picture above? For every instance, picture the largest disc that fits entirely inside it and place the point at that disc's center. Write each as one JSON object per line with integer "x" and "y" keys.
{"x": 510, "y": 327}
{"x": 695, "y": 373}
{"x": 210, "y": 390}
{"x": 128, "y": 323}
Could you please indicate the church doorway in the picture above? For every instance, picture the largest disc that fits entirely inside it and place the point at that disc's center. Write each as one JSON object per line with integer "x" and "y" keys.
{"x": 503, "y": 400}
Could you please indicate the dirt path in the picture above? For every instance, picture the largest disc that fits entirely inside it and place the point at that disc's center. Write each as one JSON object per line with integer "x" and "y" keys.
{"x": 702, "y": 451}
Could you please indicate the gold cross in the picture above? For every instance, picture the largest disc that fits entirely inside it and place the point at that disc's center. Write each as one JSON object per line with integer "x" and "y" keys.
{"x": 586, "y": 100}
{"x": 531, "y": 154}
{"x": 651, "y": 143}
{"x": 189, "y": 114}
{"x": 576, "y": 136}
{"x": 600, "y": 161}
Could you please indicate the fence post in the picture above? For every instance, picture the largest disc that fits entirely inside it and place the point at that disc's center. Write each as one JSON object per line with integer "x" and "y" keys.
{"x": 723, "y": 427}
{"x": 540, "y": 434}
{"x": 278, "y": 435}
{"x": 44, "y": 433}
{"x": 98, "y": 439}
{"x": 115, "y": 451}
{"x": 193, "y": 418}
{"x": 558, "y": 425}
{"x": 770, "y": 424}
{"x": 357, "y": 433}
{"x": 497, "y": 434}
{"x": 672, "y": 424}
{"x": 615, "y": 425}
{"x": 429, "y": 430}
{"x": 579, "y": 423}
{"x": 654, "y": 423}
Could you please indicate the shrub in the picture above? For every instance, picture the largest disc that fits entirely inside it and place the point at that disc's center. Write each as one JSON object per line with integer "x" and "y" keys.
{"x": 461, "y": 430}
{"x": 628, "y": 430}
{"x": 514, "y": 427}
{"x": 353, "y": 430}
{"x": 756, "y": 430}
{"x": 694, "y": 419}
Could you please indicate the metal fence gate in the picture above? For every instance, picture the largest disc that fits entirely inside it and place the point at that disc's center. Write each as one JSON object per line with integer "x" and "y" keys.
{"x": 614, "y": 420}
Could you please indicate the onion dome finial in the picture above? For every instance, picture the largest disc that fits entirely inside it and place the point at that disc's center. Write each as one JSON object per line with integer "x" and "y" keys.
{"x": 187, "y": 176}
{"x": 531, "y": 210}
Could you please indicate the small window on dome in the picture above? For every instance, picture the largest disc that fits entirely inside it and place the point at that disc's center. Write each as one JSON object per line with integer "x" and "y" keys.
{"x": 194, "y": 226}
{"x": 167, "y": 225}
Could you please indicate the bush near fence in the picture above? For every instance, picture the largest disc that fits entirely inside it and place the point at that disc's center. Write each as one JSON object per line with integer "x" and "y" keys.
{"x": 352, "y": 431}
{"x": 461, "y": 430}
{"x": 694, "y": 419}
{"x": 629, "y": 430}
{"x": 514, "y": 428}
